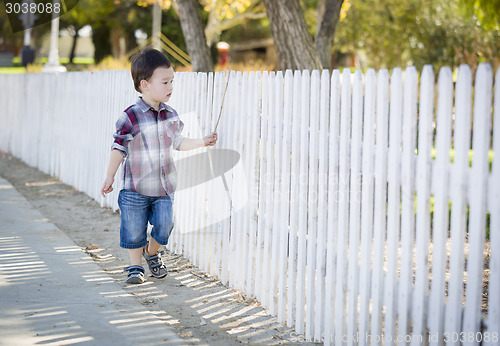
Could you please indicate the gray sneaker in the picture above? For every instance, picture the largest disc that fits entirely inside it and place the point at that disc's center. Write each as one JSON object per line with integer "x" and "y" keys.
{"x": 156, "y": 265}
{"x": 135, "y": 274}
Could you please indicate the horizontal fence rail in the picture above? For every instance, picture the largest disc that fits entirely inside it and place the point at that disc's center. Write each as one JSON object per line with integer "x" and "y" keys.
{"x": 357, "y": 208}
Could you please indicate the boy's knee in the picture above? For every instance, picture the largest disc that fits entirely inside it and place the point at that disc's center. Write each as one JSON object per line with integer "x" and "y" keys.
{"x": 133, "y": 237}
{"x": 161, "y": 231}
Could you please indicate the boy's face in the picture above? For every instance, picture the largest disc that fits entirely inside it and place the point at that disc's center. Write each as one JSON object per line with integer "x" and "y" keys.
{"x": 160, "y": 86}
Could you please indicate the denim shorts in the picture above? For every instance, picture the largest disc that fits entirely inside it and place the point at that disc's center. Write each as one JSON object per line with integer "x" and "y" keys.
{"x": 136, "y": 210}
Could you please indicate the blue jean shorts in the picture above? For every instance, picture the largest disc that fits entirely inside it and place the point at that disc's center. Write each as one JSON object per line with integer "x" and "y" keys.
{"x": 136, "y": 210}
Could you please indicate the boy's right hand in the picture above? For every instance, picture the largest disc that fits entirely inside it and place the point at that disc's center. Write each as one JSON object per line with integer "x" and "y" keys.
{"x": 107, "y": 187}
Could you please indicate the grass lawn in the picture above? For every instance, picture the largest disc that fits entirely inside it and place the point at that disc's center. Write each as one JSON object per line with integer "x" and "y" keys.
{"x": 87, "y": 61}
{"x": 11, "y": 70}
{"x": 17, "y": 68}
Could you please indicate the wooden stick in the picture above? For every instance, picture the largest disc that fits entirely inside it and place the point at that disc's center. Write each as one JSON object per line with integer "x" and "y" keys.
{"x": 223, "y": 97}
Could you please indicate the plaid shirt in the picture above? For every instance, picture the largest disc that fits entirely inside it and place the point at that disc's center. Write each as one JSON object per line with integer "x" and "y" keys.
{"x": 145, "y": 137}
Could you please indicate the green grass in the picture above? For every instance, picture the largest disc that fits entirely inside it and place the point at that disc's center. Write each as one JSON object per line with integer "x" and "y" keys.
{"x": 78, "y": 64}
{"x": 491, "y": 154}
{"x": 12, "y": 70}
{"x": 83, "y": 61}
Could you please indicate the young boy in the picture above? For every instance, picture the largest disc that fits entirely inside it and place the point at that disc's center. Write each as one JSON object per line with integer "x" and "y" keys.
{"x": 146, "y": 133}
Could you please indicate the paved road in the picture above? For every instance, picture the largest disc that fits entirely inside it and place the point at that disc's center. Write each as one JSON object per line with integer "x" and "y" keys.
{"x": 51, "y": 292}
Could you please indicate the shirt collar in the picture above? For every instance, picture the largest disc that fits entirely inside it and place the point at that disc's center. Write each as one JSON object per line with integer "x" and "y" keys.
{"x": 144, "y": 107}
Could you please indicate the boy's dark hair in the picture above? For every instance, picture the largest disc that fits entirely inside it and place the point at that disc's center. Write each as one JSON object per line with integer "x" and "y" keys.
{"x": 144, "y": 63}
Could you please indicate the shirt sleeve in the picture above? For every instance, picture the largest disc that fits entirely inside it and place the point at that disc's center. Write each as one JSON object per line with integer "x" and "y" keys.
{"x": 123, "y": 135}
{"x": 178, "y": 137}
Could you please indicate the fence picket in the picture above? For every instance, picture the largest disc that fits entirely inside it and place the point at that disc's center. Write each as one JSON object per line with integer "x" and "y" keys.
{"x": 201, "y": 222}
{"x": 330, "y": 238}
{"x": 393, "y": 202}
{"x": 312, "y": 203}
{"x": 210, "y": 241}
{"x": 301, "y": 248}
{"x": 284, "y": 202}
{"x": 182, "y": 206}
{"x": 235, "y": 101}
{"x": 423, "y": 220}
{"x": 322, "y": 205}
{"x": 260, "y": 292}
{"x": 407, "y": 199}
{"x": 354, "y": 206}
{"x": 191, "y": 249}
{"x": 367, "y": 203}
{"x": 200, "y": 202}
{"x": 227, "y": 261}
{"x": 477, "y": 193}
{"x": 255, "y": 86}
{"x": 493, "y": 321}
{"x": 343, "y": 213}
{"x": 294, "y": 198}
{"x": 220, "y": 243}
{"x": 268, "y": 230}
{"x": 277, "y": 226}
{"x": 332, "y": 219}
{"x": 440, "y": 219}
{"x": 379, "y": 222}
{"x": 245, "y": 132}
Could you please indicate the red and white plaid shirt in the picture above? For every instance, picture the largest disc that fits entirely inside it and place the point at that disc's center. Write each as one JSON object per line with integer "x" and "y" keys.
{"x": 145, "y": 137}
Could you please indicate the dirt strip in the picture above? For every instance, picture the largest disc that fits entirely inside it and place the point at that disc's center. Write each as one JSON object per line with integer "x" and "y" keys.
{"x": 197, "y": 305}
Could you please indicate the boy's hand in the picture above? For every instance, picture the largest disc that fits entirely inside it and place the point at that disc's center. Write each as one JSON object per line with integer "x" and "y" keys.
{"x": 211, "y": 139}
{"x": 107, "y": 187}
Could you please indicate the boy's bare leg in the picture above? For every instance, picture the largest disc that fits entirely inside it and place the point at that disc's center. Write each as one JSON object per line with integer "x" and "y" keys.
{"x": 152, "y": 247}
{"x": 135, "y": 256}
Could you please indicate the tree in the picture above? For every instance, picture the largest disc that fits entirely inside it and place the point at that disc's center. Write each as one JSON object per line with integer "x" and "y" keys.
{"x": 487, "y": 11}
{"x": 328, "y": 17}
{"x": 219, "y": 15}
{"x": 9, "y": 39}
{"x": 196, "y": 43}
{"x": 293, "y": 42}
{"x": 115, "y": 22}
{"x": 391, "y": 33}
{"x": 224, "y": 15}
{"x": 76, "y": 19}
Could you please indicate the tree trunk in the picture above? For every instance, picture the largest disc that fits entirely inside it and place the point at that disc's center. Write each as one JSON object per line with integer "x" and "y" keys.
{"x": 100, "y": 38}
{"x": 328, "y": 17}
{"x": 73, "y": 46}
{"x": 196, "y": 43}
{"x": 293, "y": 42}
{"x": 117, "y": 39}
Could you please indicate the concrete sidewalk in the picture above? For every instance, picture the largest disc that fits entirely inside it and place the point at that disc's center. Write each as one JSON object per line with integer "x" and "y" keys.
{"x": 51, "y": 292}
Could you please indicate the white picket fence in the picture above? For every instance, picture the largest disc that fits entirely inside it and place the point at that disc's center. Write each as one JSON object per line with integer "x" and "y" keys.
{"x": 320, "y": 206}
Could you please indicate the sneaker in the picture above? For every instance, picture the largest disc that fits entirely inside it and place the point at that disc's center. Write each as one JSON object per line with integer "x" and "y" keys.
{"x": 135, "y": 274}
{"x": 156, "y": 265}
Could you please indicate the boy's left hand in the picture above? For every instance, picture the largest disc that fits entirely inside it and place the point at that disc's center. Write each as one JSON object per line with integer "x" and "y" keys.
{"x": 211, "y": 139}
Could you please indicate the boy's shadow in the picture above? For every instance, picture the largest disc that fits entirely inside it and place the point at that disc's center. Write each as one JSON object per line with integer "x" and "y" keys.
{"x": 195, "y": 170}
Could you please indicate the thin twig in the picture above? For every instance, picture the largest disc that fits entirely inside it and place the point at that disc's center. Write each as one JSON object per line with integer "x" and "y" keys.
{"x": 223, "y": 97}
